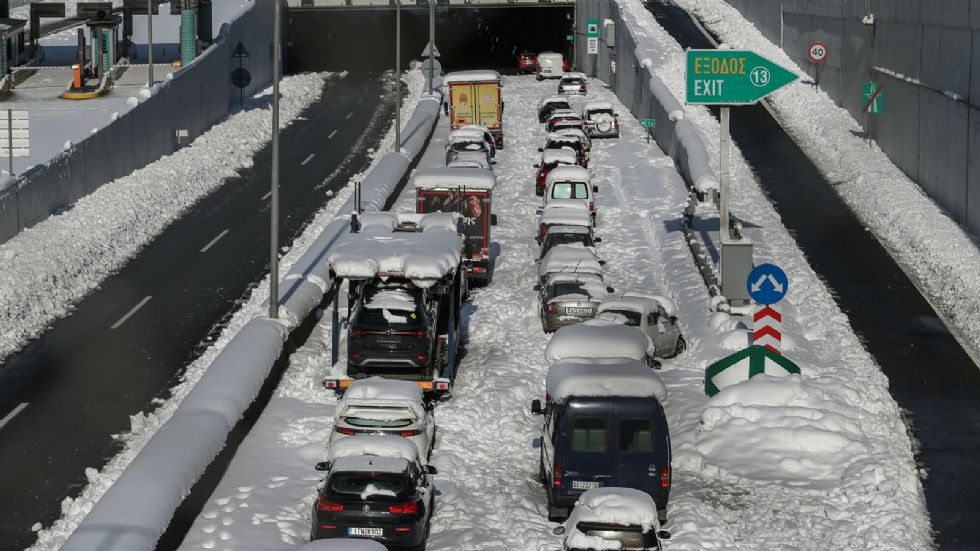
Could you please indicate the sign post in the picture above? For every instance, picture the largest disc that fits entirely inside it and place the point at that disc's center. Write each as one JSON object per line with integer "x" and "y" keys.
{"x": 240, "y": 77}
{"x": 648, "y": 124}
{"x": 767, "y": 285}
{"x": 15, "y": 137}
{"x": 874, "y": 103}
{"x": 817, "y": 54}
{"x": 592, "y": 35}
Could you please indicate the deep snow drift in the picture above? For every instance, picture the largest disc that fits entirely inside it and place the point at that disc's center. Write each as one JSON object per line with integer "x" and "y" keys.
{"x": 815, "y": 462}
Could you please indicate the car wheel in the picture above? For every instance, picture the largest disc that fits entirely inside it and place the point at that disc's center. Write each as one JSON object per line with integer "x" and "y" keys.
{"x": 680, "y": 347}
{"x": 540, "y": 78}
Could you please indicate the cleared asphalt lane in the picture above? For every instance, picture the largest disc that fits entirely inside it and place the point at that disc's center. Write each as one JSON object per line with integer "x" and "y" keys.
{"x": 931, "y": 376}
{"x": 128, "y": 342}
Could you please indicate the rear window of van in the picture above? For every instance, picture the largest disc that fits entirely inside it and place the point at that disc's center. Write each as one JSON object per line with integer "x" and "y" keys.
{"x": 588, "y": 434}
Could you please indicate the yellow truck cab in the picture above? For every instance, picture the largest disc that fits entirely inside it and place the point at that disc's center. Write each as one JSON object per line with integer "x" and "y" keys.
{"x": 474, "y": 98}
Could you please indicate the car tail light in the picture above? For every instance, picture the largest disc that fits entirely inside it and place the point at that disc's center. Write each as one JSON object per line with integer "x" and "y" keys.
{"x": 403, "y": 529}
{"x": 665, "y": 477}
{"x": 329, "y": 526}
{"x": 543, "y": 229}
{"x": 551, "y": 308}
{"x": 407, "y": 433}
{"x": 357, "y": 332}
{"x": 557, "y": 475}
{"x": 331, "y": 384}
{"x": 540, "y": 180}
{"x": 345, "y": 431}
{"x": 591, "y": 206}
{"x": 421, "y": 333}
{"x": 421, "y": 357}
{"x": 355, "y": 356}
{"x": 326, "y": 505}
{"x": 410, "y": 508}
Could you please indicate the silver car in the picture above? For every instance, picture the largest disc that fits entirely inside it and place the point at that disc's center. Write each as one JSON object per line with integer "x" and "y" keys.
{"x": 569, "y": 298}
{"x": 654, "y": 315}
{"x": 600, "y": 119}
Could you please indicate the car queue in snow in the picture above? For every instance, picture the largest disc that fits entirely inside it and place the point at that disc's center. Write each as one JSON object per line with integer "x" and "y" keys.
{"x": 605, "y": 444}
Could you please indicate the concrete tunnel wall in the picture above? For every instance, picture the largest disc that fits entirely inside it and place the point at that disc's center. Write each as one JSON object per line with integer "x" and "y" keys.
{"x": 930, "y": 128}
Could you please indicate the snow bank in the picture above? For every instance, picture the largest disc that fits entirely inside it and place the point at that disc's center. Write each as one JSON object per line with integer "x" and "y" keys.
{"x": 377, "y": 391}
{"x": 597, "y": 341}
{"x": 600, "y": 377}
{"x": 380, "y": 445}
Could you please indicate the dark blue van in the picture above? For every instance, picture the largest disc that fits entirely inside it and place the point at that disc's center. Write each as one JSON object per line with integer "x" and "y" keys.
{"x": 604, "y": 426}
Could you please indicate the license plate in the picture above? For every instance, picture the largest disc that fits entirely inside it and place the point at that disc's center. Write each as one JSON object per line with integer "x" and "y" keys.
{"x": 578, "y": 310}
{"x": 373, "y": 532}
{"x": 389, "y": 340}
{"x": 585, "y": 484}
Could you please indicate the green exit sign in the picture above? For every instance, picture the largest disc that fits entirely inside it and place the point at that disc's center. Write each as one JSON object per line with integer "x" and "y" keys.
{"x": 648, "y": 123}
{"x": 732, "y": 77}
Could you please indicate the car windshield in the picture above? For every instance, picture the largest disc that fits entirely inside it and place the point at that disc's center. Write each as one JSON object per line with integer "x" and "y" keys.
{"x": 555, "y": 239}
{"x": 573, "y": 80}
{"x": 369, "y": 486}
{"x": 632, "y": 318}
{"x": 467, "y": 146}
{"x": 629, "y": 537}
{"x": 569, "y": 190}
{"x": 377, "y": 423}
{"x": 594, "y": 112}
{"x": 574, "y": 145}
{"x": 571, "y": 288}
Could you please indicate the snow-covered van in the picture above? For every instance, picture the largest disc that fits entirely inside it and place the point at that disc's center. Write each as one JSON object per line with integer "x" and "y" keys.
{"x": 469, "y": 192}
{"x": 474, "y": 98}
{"x": 570, "y": 183}
{"x": 550, "y": 65}
{"x": 612, "y": 518}
{"x": 604, "y": 426}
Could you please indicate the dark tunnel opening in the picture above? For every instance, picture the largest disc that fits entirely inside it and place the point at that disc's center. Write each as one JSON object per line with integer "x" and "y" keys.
{"x": 466, "y": 37}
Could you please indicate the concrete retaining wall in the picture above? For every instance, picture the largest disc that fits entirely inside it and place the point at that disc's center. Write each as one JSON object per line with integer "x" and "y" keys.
{"x": 930, "y": 127}
{"x": 198, "y": 96}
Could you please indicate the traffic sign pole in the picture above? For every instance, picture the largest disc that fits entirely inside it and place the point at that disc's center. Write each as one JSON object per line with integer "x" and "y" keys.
{"x": 767, "y": 328}
{"x": 723, "y": 157}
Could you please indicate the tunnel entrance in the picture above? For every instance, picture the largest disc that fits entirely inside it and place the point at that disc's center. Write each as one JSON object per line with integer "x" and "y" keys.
{"x": 467, "y": 37}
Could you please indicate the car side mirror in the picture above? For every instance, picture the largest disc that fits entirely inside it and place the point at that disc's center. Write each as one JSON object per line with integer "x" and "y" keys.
{"x": 493, "y": 219}
{"x": 536, "y": 407}
{"x": 610, "y": 290}
{"x": 559, "y": 530}
{"x": 537, "y": 288}
{"x": 430, "y": 469}
{"x": 597, "y": 239}
{"x": 322, "y": 466}
{"x": 540, "y": 150}
{"x": 537, "y": 261}
{"x": 537, "y": 165}
{"x": 663, "y": 534}
{"x": 616, "y": 116}
{"x": 595, "y": 189}
{"x": 602, "y": 262}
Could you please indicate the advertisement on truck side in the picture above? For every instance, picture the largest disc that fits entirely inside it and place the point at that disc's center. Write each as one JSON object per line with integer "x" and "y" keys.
{"x": 475, "y": 103}
{"x": 474, "y": 205}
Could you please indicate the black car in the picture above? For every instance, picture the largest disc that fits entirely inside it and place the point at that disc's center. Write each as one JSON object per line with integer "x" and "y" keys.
{"x": 567, "y": 235}
{"x": 388, "y": 500}
{"x": 391, "y": 331}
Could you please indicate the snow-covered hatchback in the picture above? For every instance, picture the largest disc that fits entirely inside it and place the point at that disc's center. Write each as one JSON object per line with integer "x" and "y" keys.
{"x": 385, "y": 406}
{"x": 600, "y": 119}
{"x": 613, "y": 518}
{"x": 573, "y": 83}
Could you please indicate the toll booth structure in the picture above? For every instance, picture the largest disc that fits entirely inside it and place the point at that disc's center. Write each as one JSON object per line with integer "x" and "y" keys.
{"x": 93, "y": 75}
{"x": 13, "y": 50}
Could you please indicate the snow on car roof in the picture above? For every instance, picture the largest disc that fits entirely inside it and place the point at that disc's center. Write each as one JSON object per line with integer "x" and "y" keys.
{"x": 564, "y": 155}
{"x": 454, "y": 178}
{"x": 572, "y": 277}
{"x": 565, "y": 134}
{"x": 618, "y": 303}
{"x": 343, "y": 544}
{"x": 668, "y": 305}
{"x": 552, "y": 99}
{"x": 386, "y": 221}
{"x": 571, "y": 173}
{"x": 479, "y": 75}
{"x": 468, "y": 163}
{"x": 565, "y": 216}
{"x": 376, "y": 445}
{"x": 597, "y": 341}
{"x": 570, "y": 229}
{"x": 569, "y": 258}
{"x": 423, "y": 257}
{"x": 376, "y": 391}
{"x": 597, "y": 106}
{"x": 464, "y": 136}
{"x": 564, "y": 113}
{"x": 574, "y": 75}
{"x": 624, "y": 506}
{"x": 598, "y": 377}
{"x": 478, "y": 157}
{"x": 566, "y": 204}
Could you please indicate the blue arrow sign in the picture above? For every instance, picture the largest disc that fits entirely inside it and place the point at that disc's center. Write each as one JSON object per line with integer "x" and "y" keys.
{"x": 767, "y": 284}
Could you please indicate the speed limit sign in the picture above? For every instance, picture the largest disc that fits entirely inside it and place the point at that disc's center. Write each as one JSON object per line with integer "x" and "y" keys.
{"x": 817, "y": 52}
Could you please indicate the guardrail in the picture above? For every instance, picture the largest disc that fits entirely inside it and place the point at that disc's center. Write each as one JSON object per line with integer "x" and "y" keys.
{"x": 136, "y": 510}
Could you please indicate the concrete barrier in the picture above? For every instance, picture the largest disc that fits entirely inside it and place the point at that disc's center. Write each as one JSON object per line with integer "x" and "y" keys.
{"x": 136, "y": 510}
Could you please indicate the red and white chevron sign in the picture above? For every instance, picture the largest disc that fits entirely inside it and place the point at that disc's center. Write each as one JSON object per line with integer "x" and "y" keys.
{"x": 768, "y": 328}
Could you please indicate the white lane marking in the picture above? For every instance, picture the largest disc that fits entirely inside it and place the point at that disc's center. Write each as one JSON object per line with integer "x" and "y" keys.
{"x": 266, "y": 196}
{"x": 349, "y": 115}
{"x": 215, "y": 240}
{"x": 129, "y": 314}
{"x": 331, "y": 135}
{"x": 13, "y": 413}
{"x": 308, "y": 159}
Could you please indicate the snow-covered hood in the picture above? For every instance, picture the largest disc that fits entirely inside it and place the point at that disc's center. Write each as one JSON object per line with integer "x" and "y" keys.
{"x": 597, "y": 341}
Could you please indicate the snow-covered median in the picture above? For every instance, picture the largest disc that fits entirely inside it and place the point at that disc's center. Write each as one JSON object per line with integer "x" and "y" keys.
{"x": 941, "y": 257}
{"x": 47, "y": 269}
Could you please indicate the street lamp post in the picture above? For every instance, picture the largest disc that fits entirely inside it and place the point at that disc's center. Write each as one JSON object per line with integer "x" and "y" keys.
{"x": 274, "y": 200}
{"x": 398, "y": 65}
{"x": 149, "y": 36}
{"x": 432, "y": 40}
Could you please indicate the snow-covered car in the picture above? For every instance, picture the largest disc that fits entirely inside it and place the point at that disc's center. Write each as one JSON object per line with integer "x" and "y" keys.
{"x": 569, "y": 259}
{"x": 466, "y": 142}
{"x": 575, "y": 132}
{"x": 549, "y": 104}
{"x": 551, "y": 65}
{"x": 570, "y": 298}
{"x": 654, "y": 315}
{"x": 375, "y": 487}
{"x": 612, "y": 518}
{"x": 558, "y": 142}
{"x": 385, "y": 406}
{"x": 551, "y": 158}
{"x": 343, "y": 544}
{"x": 598, "y": 341}
{"x": 470, "y": 159}
{"x": 527, "y": 63}
{"x": 390, "y": 327}
{"x": 567, "y": 235}
{"x": 560, "y": 115}
{"x": 562, "y": 212}
{"x": 573, "y": 83}
{"x": 571, "y": 183}
{"x": 481, "y": 131}
{"x": 600, "y": 119}
{"x": 604, "y": 426}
